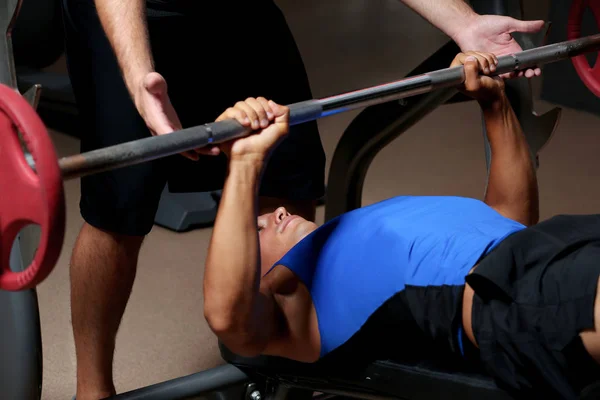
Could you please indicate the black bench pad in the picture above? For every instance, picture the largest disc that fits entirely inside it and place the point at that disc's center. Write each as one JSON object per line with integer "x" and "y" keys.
{"x": 419, "y": 380}
{"x": 407, "y": 379}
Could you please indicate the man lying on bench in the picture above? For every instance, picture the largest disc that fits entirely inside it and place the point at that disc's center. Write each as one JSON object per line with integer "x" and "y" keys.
{"x": 482, "y": 280}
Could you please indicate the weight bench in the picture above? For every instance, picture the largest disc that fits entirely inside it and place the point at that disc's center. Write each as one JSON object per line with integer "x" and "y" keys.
{"x": 415, "y": 378}
{"x": 409, "y": 379}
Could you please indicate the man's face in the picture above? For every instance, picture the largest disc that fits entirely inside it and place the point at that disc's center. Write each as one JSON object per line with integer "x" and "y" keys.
{"x": 278, "y": 232}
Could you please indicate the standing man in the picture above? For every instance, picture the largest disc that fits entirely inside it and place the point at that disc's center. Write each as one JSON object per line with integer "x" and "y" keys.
{"x": 146, "y": 67}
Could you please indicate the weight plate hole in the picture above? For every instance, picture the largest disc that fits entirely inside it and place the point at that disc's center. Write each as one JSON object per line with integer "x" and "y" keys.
{"x": 25, "y": 247}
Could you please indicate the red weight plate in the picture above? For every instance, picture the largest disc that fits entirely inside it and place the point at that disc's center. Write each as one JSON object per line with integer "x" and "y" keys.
{"x": 27, "y": 196}
{"x": 589, "y": 75}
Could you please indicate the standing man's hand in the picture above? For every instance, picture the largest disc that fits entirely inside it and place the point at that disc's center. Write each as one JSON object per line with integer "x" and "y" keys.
{"x": 152, "y": 101}
{"x": 124, "y": 23}
{"x": 492, "y": 34}
{"x": 474, "y": 32}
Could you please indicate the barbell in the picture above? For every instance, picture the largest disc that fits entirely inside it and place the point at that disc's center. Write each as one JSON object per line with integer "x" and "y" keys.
{"x": 34, "y": 193}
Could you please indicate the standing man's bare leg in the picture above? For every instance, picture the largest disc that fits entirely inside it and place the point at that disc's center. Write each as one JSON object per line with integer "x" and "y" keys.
{"x": 103, "y": 268}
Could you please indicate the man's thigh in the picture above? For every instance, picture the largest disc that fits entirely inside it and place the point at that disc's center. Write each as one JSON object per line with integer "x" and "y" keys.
{"x": 537, "y": 296}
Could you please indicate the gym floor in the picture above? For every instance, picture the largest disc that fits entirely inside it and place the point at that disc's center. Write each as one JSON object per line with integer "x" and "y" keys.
{"x": 346, "y": 44}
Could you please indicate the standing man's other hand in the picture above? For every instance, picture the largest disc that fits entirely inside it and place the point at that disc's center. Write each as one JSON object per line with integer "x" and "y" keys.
{"x": 493, "y": 34}
{"x": 153, "y": 103}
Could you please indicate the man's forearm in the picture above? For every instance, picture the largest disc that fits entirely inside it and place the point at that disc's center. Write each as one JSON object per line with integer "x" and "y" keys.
{"x": 512, "y": 186}
{"x": 124, "y": 22}
{"x": 450, "y": 16}
{"x": 232, "y": 273}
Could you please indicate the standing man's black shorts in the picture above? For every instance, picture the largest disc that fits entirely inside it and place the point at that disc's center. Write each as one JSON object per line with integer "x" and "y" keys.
{"x": 534, "y": 295}
{"x": 212, "y": 54}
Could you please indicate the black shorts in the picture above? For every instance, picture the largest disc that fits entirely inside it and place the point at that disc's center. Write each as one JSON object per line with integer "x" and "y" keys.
{"x": 534, "y": 295}
{"x": 212, "y": 55}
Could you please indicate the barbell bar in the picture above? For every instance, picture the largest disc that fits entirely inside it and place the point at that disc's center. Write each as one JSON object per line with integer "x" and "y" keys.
{"x": 35, "y": 195}
{"x": 147, "y": 149}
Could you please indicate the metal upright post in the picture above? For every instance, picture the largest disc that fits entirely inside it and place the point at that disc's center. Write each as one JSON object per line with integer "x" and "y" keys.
{"x": 20, "y": 335}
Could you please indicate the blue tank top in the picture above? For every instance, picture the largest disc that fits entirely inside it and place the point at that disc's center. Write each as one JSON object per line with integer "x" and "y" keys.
{"x": 356, "y": 262}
